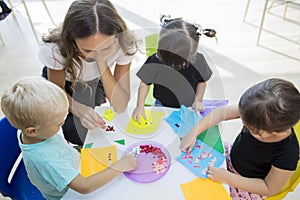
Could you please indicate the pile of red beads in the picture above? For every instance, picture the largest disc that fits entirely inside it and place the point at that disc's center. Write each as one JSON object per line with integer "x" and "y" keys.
{"x": 110, "y": 128}
{"x": 160, "y": 165}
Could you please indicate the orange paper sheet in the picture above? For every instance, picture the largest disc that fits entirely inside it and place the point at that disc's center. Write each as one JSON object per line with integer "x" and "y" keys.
{"x": 94, "y": 160}
{"x": 204, "y": 189}
{"x": 147, "y": 126}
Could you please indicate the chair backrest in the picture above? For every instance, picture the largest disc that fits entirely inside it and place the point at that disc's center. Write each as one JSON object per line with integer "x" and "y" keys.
{"x": 151, "y": 44}
{"x": 294, "y": 180}
{"x": 151, "y": 47}
{"x": 20, "y": 187}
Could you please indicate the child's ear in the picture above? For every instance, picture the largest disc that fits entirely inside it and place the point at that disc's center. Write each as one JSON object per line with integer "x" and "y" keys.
{"x": 117, "y": 40}
{"x": 31, "y": 131}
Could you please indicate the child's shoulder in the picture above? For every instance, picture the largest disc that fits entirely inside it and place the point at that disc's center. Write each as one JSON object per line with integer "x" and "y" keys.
{"x": 199, "y": 56}
{"x": 152, "y": 59}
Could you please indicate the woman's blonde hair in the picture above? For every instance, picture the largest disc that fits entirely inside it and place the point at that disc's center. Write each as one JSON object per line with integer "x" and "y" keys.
{"x": 32, "y": 100}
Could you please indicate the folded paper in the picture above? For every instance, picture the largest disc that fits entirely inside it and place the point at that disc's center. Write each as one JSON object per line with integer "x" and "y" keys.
{"x": 143, "y": 123}
{"x": 109, "y": 114}
{"x": 212, "y": 138}
{"x": 147, "y": 126}
{"x": 211, "y": 105}
{"x": 202, "y": 156}
{"x": 94, "y": 160}
{"x": 182, "y": 120}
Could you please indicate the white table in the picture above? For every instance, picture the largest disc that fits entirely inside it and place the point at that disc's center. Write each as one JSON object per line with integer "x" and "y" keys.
{"x": 168, "y": 187}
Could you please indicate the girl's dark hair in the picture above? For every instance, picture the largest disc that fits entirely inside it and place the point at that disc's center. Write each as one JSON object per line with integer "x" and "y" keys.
{"x": 178, "y": 41}
{"x": 272, "y": 105}
{"x": 83, "y": 19}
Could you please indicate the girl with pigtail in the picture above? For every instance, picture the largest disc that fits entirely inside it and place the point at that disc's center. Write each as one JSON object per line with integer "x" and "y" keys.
{"x": 178, "y": 72}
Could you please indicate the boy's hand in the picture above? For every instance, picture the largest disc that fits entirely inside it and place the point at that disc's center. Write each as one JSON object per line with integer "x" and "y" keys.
{"x": 127, "y": 163}
{"x": 138, "y": 112}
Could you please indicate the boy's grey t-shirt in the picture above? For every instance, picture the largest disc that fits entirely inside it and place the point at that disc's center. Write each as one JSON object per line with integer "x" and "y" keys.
{"x": 174, "y": 87}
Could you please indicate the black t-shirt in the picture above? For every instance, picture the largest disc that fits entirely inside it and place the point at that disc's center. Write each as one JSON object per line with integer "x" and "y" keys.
{"x": 253, "y": 159}
{"x": 174, "y": 87}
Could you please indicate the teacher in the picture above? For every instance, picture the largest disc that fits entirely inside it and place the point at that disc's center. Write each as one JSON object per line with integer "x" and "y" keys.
{"x": 89, "y": 57}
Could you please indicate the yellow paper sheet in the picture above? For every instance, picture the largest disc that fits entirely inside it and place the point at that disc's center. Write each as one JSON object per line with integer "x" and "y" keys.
{"x": 153, "y": 121}
{"x": 94, "y": 160}
{"x": 201, "y": 188}
{"x": 144, "y": 123}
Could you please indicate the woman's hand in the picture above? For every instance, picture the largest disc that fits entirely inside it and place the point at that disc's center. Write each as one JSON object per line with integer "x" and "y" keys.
{"x": 138, "y": 112}
{"x": 104, "y": 51}
{"x": 89, "y": 118}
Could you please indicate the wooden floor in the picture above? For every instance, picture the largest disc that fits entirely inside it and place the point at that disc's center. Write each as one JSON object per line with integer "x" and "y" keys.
{"x": 235, "y": 58}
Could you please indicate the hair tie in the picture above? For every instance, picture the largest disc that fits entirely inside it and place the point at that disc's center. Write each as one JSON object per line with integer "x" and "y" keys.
{"x": 165, "y": 19}
{"x": 199, "y": 30}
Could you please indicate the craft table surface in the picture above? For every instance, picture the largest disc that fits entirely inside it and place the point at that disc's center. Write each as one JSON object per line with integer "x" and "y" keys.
{"x": 168, "y": 187}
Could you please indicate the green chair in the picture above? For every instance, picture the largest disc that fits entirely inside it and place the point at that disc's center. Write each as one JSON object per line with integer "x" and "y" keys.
{"x": 151, "y": 47}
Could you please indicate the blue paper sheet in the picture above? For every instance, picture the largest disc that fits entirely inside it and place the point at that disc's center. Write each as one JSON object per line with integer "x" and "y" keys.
{"x": 200, "y": 158}
{"x": 183, "y": 120}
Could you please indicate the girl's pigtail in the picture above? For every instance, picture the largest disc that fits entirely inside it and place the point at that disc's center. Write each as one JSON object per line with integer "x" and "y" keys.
{"x": 165, "y": 19}
{"x": 207, "y": 32}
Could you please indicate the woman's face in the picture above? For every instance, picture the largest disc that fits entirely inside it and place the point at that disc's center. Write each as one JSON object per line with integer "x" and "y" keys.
{"x": 96, "y": 46}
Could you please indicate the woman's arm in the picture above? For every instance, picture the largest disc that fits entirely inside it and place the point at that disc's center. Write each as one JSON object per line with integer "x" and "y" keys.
{"x": 117, "y": 86}
{"x": 271, "y": 185}
{"x": 211, "y": 119}
{"x": 88, "y": 117}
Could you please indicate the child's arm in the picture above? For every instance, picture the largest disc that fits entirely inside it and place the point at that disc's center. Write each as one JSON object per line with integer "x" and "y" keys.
{"x": 213, "y": 118}
{"x": 140, "y": 109}
{"x": 271, "y": 185}
{"x": 89, "y": 184}
{"x": 197, "y": 105}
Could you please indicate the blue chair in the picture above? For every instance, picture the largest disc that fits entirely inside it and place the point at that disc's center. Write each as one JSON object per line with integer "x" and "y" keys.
{"x": 19, "y": 187}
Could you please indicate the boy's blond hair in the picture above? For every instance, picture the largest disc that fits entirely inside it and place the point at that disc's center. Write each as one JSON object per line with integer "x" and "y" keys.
{"x": 32, "y": 100}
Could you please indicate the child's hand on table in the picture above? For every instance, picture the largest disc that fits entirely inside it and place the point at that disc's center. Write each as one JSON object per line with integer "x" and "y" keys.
{"x": 188, "y": 142}
{"x": 125, "y": 164}
{"x": 198, "y": 106}
{"x": 138, "y": 112}
{"x": 217, "y": 174}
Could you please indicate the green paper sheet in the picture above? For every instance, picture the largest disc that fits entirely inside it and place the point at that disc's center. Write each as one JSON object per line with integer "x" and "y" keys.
{"x": 122, "y": 142}
{"x": 212, "y": 138}
{"x": 89, "y": 145}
